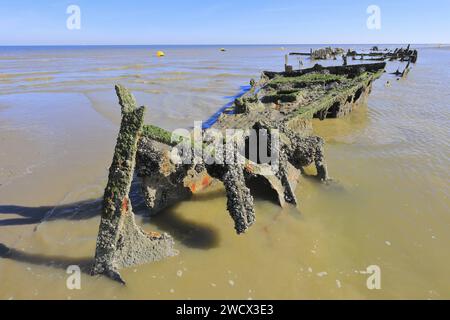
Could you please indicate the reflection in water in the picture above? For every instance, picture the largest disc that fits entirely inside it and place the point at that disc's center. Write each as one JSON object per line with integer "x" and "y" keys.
{"x": 387, "y": 206}
{"x": 343, "y": 130}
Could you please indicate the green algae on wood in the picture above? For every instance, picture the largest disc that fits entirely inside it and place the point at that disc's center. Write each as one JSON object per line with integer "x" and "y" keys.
{"x": 340, "y": 94}
{"x": 121, "y": 242}
{"x": 306, "y": 79}
{"x": 297, "y": 96}
{"x": 284, "y": 101}
{"x": 158, "y": 134}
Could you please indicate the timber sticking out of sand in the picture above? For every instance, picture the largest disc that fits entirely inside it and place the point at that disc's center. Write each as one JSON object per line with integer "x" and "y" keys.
{"x": 121, "y": 243}
{"x": 285, "y": 101}
{"x": 400, "y": 54}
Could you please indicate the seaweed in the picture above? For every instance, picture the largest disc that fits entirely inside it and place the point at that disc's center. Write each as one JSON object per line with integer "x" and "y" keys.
{"x": 158, "y": 134}
{"x": 307, "y": 79}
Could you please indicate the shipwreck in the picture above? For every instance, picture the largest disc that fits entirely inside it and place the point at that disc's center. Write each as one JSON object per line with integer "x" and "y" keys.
{"x": 279, "y": 104}
{"x": 375, "y": 54}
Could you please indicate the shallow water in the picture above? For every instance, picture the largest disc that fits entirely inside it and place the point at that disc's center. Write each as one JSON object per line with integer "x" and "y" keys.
{"x": 388, "y": 206}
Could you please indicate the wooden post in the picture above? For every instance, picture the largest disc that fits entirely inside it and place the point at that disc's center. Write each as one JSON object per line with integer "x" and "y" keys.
{"x": 287, "y": 67}
{"x": 121, "y": 242}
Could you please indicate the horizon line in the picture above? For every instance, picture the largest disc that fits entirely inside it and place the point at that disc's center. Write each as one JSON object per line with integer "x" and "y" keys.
{"x": 225, "y": 44}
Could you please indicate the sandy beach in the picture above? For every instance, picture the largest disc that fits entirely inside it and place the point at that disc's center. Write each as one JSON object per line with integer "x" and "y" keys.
{"x": 59, "y": 120}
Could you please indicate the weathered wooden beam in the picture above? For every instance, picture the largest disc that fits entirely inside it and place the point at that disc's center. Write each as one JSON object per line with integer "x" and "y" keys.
{"x": 406, "y": 70}
{"x": 369, "y": 67}
{"x": 300, "y": 53}
{"x": 121, "y": 242}
{"x": 239, "y": 198}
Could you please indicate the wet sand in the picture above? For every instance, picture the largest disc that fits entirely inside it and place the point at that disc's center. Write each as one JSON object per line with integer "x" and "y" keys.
{"x": 388, "y": 207}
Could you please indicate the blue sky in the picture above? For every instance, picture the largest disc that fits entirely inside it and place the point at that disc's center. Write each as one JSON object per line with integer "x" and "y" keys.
{"x": 27, "y": 22}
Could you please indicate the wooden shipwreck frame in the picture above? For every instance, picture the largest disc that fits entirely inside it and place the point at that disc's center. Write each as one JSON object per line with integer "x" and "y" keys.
{"x": 375, "y": 54}
{"x": 281, "y": 102}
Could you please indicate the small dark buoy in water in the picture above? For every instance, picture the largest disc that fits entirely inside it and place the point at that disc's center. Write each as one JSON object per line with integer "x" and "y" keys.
{"x": 223, "y": 49}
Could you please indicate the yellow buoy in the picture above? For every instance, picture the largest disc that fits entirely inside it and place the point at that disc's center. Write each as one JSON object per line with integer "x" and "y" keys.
{"x": 223, "y": 49}
{"x": 160, "y": 54}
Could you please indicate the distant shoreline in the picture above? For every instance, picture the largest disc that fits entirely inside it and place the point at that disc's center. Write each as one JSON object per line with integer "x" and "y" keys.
{"x": 431, "y": 45}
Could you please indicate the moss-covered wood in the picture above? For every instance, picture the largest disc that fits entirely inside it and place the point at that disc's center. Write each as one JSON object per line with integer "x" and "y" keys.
{"x": 339, "y": 94}
{"x": 307, "y": 79}
{"x": 300, "y": 95}
{"x": 121, "y": 243}
{"x": 158, "y": 134}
